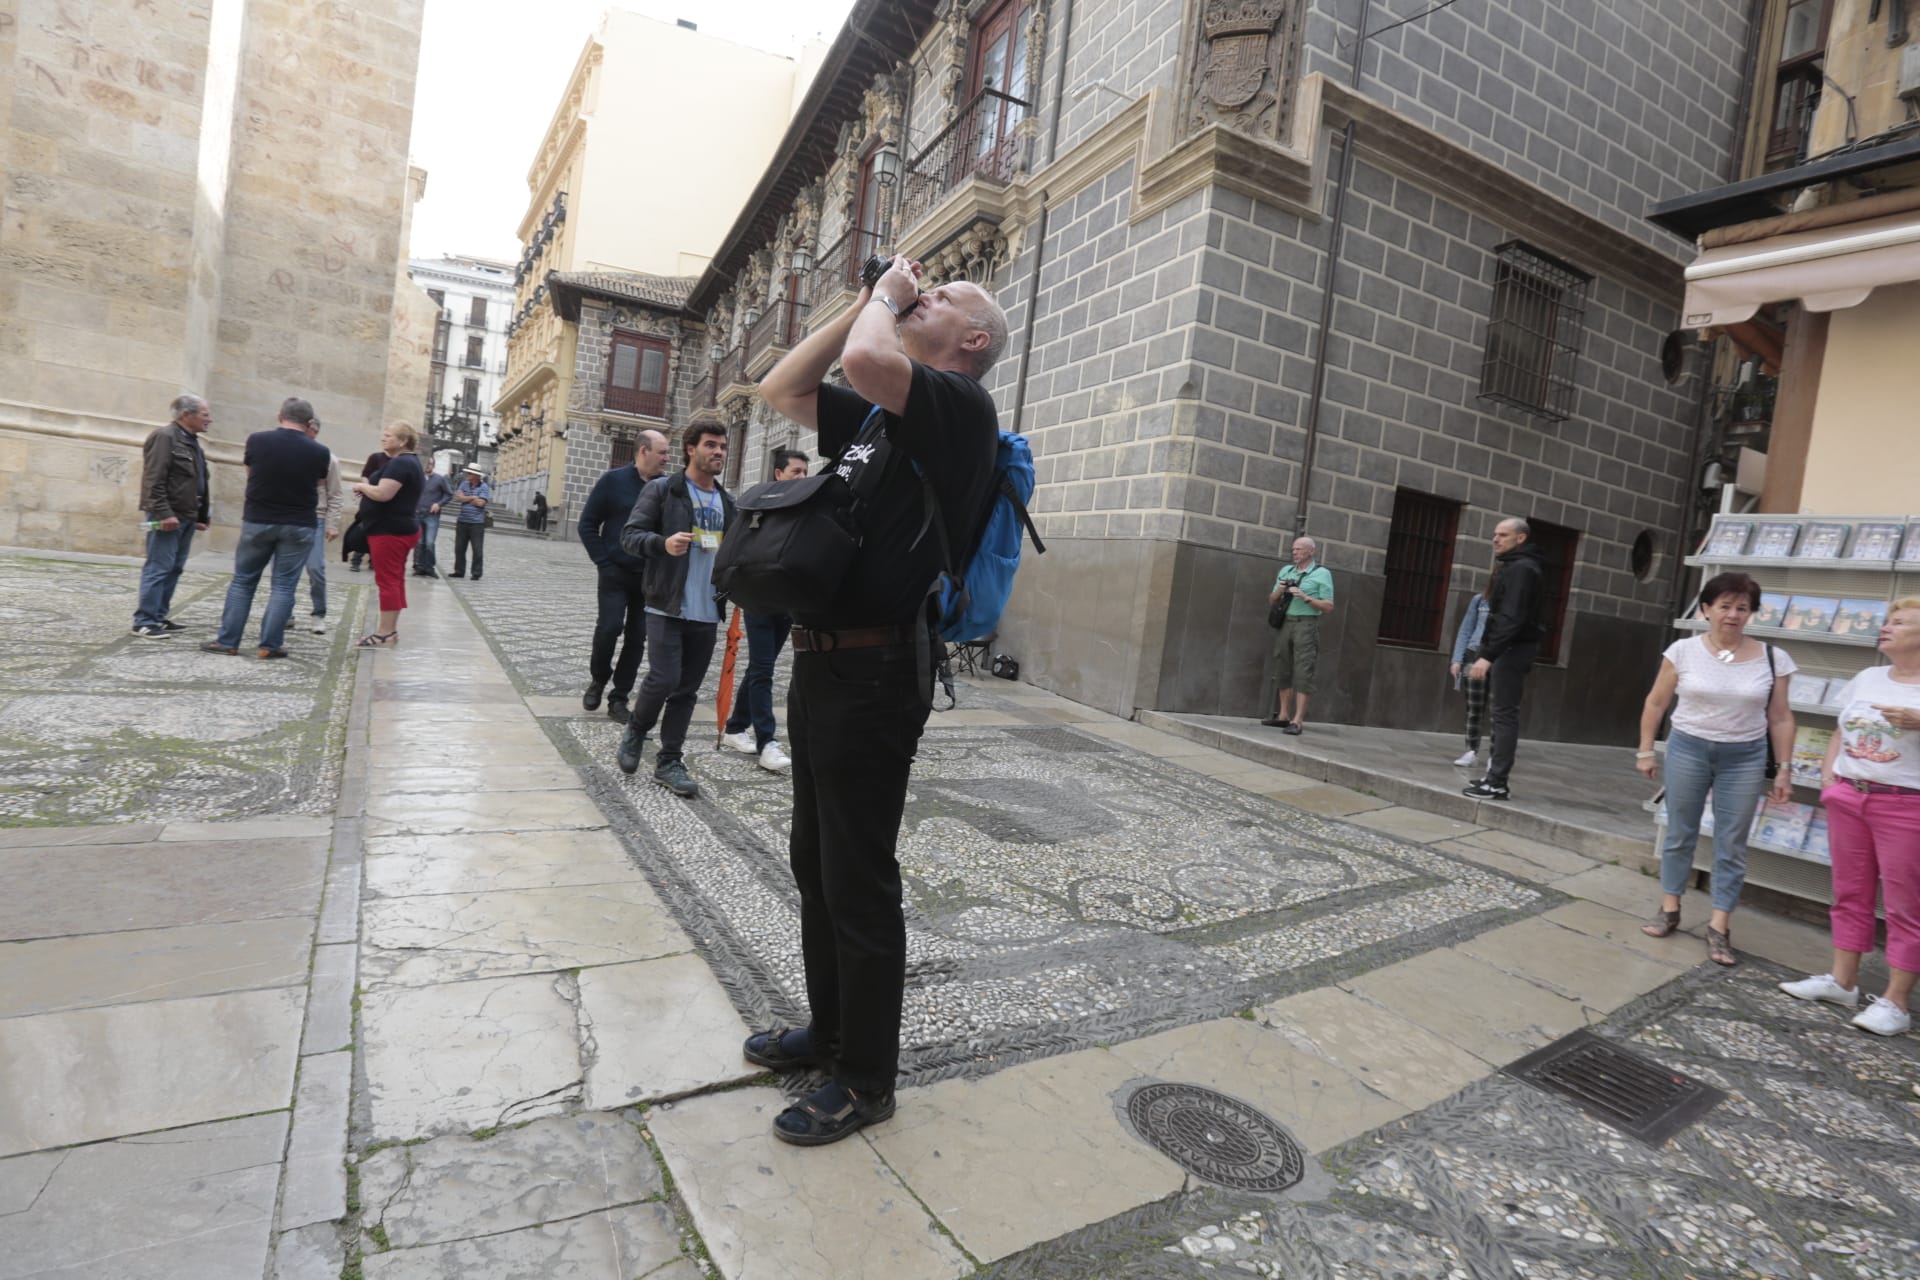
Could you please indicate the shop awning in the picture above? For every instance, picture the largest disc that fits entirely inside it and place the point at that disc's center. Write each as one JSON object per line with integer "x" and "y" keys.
{"x": 1827, "y": 269}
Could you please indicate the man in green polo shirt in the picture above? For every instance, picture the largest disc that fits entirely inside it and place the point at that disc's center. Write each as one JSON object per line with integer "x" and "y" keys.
{"x": 1296, "y": 647}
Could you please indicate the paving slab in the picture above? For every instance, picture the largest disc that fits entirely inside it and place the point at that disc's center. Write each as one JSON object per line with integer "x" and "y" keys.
{"x": 472, "y": 780}
{"x": 1415, "y": 824}
{"x": 152, "y": 964}
{"x": 461, "y": 753}
{"x": 1025, "y": 1154}
{"x": 1268, "y": 782}
{"x": 413, "y": 686}
{"x": 283, "y": 827}
{"x": 1805, "y": 947}
{"x": 556, "y": 707}
{"x": 105, "y": 833}
{"x": 413, "y": 865}
{"x": 330, "y": 999}
{"x": 1623, "y": 930}
{"x": 1532, "y": 872}
{"x": 1617, "y": 887}
{"x": 469, "y": 1055}
{"x": 409, "y": 813}
{"x": 404, "y": 732}
{"x": 1564, "y": 862}
{"x": 309, "y": 1253}
{"x": 1599, "y": 974}
{"x": 1389, "y": 1054}
{"x": 1471, "y": 1005}
{"x": 453, "y": 711}
{"x": 457, "y": 1187}
{"x": 617, "y": 1244}
{"x": 99, "y": 889}
{"x": 88, "y": 1074}
{"x": 192, "y": 1202}
{"x": 1320, "y": 1103}
{"x": 316, "y": 1175}
{"x": 769, "y": 1211}
{"x": 340, "y": 914}
{"x": 1141, "y": 738}
{"x": 444, "y": 937}
{"x": 1330, "y": 801}
{"x": 658, "y": 1029}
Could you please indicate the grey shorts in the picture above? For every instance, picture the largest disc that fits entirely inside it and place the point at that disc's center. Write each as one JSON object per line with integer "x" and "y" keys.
{"x": 1296, "y": 653}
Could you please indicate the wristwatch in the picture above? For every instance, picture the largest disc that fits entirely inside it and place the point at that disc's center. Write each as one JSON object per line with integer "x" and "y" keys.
{"x": 890, "y": 305}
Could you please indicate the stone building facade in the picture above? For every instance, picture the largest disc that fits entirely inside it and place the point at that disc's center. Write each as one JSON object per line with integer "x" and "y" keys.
{"x": 473, "y": 300}
{"x": 1149, "y": 187}
{"x": 204, "y": 195}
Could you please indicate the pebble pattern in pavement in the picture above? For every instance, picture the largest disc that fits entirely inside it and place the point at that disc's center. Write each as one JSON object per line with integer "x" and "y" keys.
{"x": 97, "y": 725}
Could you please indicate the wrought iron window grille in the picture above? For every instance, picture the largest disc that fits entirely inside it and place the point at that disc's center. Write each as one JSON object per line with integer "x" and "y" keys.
{"x": 1534, "y": 332}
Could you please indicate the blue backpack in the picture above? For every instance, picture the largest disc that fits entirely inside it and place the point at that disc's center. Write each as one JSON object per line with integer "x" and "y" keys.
{"x": 972, "y": 596}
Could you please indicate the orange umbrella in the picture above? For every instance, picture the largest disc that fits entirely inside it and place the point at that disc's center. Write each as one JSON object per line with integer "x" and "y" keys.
{"x": 723, "y": 701}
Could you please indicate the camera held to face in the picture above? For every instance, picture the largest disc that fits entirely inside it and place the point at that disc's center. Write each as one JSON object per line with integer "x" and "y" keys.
{"x": 875, "y": 267}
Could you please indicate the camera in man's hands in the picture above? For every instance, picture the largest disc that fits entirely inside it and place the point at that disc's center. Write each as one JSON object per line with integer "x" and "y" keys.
{"x": 876, "y": 267}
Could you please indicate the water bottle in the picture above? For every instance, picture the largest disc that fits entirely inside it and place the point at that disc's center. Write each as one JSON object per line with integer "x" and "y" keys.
{"x": 149, "y": 526}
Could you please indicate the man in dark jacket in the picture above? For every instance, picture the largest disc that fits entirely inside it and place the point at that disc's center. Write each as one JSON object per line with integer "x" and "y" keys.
{"x": 677, "y": 525}
{"x": 1509, "y": 645}
{"x": 623, "y": 616}
{"x": 174, "y": 494}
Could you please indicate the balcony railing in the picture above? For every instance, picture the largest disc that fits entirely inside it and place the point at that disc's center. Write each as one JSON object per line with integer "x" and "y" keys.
{"x": 731, "y": 371}
{"x": 649, "y": 404}
{"x": 839, "y": 266}
{"x": 778, "y": 328}
{"x": 980, "y": 142}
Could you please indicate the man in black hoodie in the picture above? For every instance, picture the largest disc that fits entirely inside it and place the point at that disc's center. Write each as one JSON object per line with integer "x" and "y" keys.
{"x": 1509, "y": 645}
{"x": 622, "y": 582}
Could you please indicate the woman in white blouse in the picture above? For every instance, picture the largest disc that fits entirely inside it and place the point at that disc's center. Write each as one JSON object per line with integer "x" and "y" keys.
{"x": 1731, "y": 701}
{"x": 1871, "y": 787}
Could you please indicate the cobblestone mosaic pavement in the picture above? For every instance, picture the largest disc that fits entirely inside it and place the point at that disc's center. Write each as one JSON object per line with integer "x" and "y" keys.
{"x": 1810, "y": 1169}
{"x": 1062, "y": 890}
{"x": 97, "y": 725}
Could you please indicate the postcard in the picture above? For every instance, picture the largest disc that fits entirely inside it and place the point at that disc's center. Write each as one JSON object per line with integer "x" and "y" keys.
{"x": 1808, "y": 691}
{"x": 1910, "y": 547}
{"x": 1875, "y": 541}
{"x": 1728, "y": 538}
{"x": 1809, "y": 753}
{"x": 1782, "y": 823}
{"x": 1810, "y": 613}
{"x": 1823, "y": 542}
{"x": 1773, "y": 611}
{"x": 1859, "y": 618}
{"x": 1774, "y": 541}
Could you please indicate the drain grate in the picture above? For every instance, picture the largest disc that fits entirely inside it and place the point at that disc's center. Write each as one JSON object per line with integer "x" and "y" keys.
{"x": 1219, "y": 1139}
{"x": 1640, "y": 1098}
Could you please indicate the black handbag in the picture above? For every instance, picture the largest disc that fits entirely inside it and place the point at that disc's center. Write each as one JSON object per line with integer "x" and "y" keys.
{"x": 354, "y": 541}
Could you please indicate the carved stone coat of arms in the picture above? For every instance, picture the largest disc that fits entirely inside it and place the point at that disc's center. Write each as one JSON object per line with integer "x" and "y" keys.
{"x": 1240, "y": 71}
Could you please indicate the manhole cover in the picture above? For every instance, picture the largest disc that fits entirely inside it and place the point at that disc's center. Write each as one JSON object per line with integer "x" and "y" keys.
{"x": 1637, "y": 1096}
{"x": 1217, "y": 1138}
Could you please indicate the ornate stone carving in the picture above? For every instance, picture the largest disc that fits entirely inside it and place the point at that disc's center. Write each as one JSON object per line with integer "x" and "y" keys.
{"x": 975, "y": 254}
{"x": 1240, "y": 71}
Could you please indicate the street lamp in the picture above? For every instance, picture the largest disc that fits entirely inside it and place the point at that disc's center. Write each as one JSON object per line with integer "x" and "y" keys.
{"x": 752, "y": 317}
{"x": 716, "y": 353}
{"x": 886, "y": 165}
{"x": 802, "y": 261}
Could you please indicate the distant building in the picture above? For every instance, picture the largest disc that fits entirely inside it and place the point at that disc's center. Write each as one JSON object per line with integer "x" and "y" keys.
{"x": 474, "y": 302}
{"x": 621, "y": 186}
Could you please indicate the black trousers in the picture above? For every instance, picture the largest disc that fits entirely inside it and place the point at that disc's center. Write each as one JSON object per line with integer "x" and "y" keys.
{"x": 469, "y": 535}
{"x": 1505, "y": 683}
{"x": 854, "y": 719}
{"x": 681, "y": 651}
{"x": 623, "y": 622}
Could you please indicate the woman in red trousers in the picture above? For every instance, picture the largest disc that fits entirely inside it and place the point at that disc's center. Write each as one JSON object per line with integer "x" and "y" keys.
{"x": 386, "y": 511}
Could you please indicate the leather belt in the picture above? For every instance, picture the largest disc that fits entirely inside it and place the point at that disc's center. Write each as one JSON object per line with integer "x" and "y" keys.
{"x": 1880, "y": 788}
{"x": 805, "y": 641}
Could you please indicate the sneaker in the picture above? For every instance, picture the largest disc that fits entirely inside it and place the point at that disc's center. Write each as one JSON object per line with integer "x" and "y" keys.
{"x": 1824, "y": 988}
{"x": 1484, "y": 789}
{"x": 317, "y": 625}
{"x": 171, "y": 625}
{"x": 1466, "y": 760}
{"x": 627, "y": 754}
{"x": 617, "y": 708}
{"x": 774, "y": 759}
{"x": 674, "y": 777}
{"x": 742, "y": 742}
{"x": 590, "y": 700}
{"x": 353, "y": 566}
{"x": 214, "y": 646}
{"x": 1884, "y": 1018}
{"x": 155, "y": 632}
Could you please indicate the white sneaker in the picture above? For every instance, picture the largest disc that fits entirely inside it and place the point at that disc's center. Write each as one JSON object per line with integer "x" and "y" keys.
{"x": 1823, "y": 988}
{"x": 774, "y": 760}
{"x": 742, "y": 742}
{"x": 1884, "y": 1018}
{"x": 1466, "y": 761}
{"x": 317, "y": 625}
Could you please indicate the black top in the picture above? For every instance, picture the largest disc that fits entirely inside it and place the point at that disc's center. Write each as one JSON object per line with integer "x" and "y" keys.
{"x": 1516, "y": 608}
{"x": 396, "y": 515}
{"x": 606, "y": 511}
{"x": 952, "y": 431}
{"x": 371, "y": 467}
{"x": 283, "y": 466}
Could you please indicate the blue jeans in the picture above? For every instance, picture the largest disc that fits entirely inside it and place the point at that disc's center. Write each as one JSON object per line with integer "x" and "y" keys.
{"x": 766, "y": 636}
{"x": 166, "y": 557}
{"x": 424, "y": 558}
{"x": 317, "y": 569}
{"x": 286, "y": 547}
{"x": 1736, "y": 773}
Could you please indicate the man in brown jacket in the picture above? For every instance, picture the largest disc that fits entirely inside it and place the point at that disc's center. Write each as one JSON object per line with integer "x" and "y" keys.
{"x": 173, "y": 493}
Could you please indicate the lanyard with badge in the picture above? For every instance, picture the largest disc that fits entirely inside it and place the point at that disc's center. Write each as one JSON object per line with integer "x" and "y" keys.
{"x": 709, "y": 518}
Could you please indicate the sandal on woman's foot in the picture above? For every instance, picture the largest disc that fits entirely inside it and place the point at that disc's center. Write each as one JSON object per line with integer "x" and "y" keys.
{"x": 377, "y": 640}
{"x": 1720, "y": 948}
{"x": 829, "y": 1114}
{"x": 1663, "y": 924}
{"x": 783, "y": 1049}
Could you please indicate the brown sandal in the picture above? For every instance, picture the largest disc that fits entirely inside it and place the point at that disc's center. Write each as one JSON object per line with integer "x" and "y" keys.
{"x": 1663, "y": 923}
{"x": 1720, "y": 948}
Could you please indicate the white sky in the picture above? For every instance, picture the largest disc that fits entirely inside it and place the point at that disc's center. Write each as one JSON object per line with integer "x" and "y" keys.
{"x": 491, "y": 74}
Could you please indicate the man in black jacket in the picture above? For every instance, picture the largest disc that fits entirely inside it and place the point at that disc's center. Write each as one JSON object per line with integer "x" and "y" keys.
{"x": 677, "y": 525}
{"x": 861, "y": 688}
{"x": 175, "y": 495}
{"x": 1509, "y": 645}
{"x": 622, "y": 584}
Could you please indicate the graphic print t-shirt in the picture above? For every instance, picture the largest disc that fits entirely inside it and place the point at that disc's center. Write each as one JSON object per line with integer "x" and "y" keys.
{"x": 1871, "y": 750}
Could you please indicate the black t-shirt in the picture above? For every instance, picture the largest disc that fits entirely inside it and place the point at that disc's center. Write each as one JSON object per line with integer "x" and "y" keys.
{"x": 283, "y": 466}
{"x": 396, "y": 514}
{"x": 951, "y": 430}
